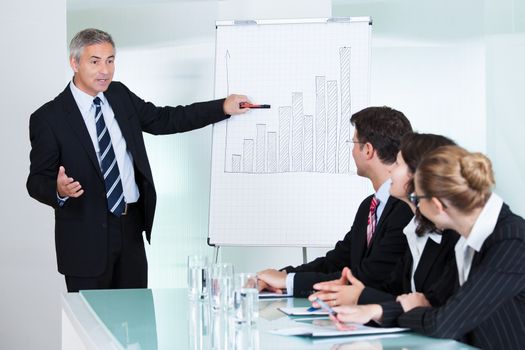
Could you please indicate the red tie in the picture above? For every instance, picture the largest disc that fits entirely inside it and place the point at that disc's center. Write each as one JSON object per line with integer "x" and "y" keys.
{"x": 370, "y": 229}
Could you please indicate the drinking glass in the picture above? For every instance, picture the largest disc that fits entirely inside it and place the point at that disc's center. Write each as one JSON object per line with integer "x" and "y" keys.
{"x": 221, "y": 286}
{"x": 246, "y": 298}
{"x": 198, "y": 277}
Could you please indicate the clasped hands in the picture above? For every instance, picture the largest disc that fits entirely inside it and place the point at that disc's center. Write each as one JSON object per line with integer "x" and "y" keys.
{"x": 334, "y": 293}
{"x": 343, "y": 298}
{"x": 342, "y": 294}
{"x": 343, "y": 291}
{"x": 271, "y": 280}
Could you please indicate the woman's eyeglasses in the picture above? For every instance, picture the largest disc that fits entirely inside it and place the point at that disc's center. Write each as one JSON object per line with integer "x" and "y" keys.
{"x": 414, "y": 198}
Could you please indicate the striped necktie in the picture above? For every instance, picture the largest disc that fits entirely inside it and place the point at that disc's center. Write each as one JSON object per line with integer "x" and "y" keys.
{"x": 108, "y": 164}
{"x": 372, "y": 220}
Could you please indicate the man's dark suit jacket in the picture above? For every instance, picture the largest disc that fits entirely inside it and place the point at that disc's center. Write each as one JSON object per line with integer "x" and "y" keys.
{"x": 372, "y": 265}
{"x": 59, "y": 136}
{"x": 488, "y": 310}
{"x": 436, "y": 260}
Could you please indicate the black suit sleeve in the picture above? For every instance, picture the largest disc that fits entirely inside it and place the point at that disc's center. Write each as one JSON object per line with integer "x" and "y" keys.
{"x": 443, "y": 288}
{"x": 391, "y": 311}
{"x": 437, "y": 295}
{"x": 168, "y": 120}
{"x": 498, "y": 279}
{"x": 333, "y": 261}
{"x": 44, "y": 157}
{"x": 303, "y": 282}
{"x": 391, "y": 288}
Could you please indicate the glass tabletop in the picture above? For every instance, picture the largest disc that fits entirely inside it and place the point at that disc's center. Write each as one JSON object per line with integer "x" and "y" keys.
{"x": 165, "y": 319}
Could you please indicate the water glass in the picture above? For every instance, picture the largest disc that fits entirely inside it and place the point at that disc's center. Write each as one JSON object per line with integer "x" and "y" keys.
{"x": 221, "y": 331}
{"x": 199, "y": 325}
{"x": 246, "y": 337}
{"x": 246, "y": 298}
{"x": 221, "y": 286}
{"x": 198, "y": 277}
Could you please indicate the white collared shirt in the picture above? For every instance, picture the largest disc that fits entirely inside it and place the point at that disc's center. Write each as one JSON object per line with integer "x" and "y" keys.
{"x": 417, "y": 245}
{"x": 482, "y": 229}
{"x": 124, "y": 159}
{"x": 383, "y": 193}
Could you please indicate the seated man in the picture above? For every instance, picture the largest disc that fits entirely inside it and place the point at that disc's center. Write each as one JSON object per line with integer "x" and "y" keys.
{"x": 376, "y": 241}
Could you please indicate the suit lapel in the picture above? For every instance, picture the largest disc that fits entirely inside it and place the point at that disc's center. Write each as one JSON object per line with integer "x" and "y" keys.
{"x": 76, "y": 122}
{"x": 388, "y": 208}
{"x": 122, "y": 117}
{"x": 431, "y": 251}
{"x": 476, "y": 260}
{"x": 359, "y": 246}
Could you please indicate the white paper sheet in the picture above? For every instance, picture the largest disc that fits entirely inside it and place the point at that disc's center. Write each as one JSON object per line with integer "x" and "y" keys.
{"x": 302, "y": 311}
{"x": 285, "y": 175}
{"x": 326, "y": 328}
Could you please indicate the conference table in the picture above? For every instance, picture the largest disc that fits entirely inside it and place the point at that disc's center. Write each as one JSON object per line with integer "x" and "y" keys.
{"x": 145, "y": 319}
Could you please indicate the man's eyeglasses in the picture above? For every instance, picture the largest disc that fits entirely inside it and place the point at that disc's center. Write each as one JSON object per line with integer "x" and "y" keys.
{"x": 414, "y": 198}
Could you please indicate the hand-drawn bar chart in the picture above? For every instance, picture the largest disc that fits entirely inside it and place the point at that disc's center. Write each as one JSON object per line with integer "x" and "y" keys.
{"x": 319, "y": 142}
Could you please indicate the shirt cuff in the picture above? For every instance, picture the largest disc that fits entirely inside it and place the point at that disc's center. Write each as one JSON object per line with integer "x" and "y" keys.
{"x": 289, "y": 283}
{"x": 61, "y": 200}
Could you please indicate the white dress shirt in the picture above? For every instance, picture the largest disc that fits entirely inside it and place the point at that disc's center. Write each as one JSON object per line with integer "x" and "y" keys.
{"x": 124, "y": 159}
{"x": 482, "y": 229}
{"x": 382, "y": 194}
{"x": 417, "y": 245}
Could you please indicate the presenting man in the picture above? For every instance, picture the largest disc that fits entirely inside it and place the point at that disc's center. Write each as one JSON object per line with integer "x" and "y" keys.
{"x": 376, "y": 241}
{"x": 89, "y": 162}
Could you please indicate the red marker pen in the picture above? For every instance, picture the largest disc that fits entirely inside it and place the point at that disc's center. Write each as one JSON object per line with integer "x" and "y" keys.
{"x": 250, "y": 105}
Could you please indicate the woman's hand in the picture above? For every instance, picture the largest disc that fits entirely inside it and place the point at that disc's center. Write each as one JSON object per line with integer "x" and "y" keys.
{"x": 412, "y": 300}
{"x": 359, "y": 313}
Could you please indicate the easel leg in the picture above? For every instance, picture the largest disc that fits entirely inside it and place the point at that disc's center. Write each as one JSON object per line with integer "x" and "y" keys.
{"x": 216, "y": 254}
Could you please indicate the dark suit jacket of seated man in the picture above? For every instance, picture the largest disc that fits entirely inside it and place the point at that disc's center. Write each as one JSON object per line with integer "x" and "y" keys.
{"x": 370, "y": 264}
{"x": 377, "y": 136}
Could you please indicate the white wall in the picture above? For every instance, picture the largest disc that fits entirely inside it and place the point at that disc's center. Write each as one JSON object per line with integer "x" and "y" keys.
{"x": 505, "y": 71}
{"x": 32, "y": 60}
{"x": 428, "y": 60}
{"x": 460, "y": 61}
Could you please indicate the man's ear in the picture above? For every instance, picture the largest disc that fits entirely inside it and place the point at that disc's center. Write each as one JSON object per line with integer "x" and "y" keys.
{"x": 73, "y": 63}
{"x": 369, "y": 150}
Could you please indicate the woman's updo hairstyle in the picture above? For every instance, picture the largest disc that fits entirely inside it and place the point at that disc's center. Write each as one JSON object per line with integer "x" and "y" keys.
{"x": 464, "y": 179}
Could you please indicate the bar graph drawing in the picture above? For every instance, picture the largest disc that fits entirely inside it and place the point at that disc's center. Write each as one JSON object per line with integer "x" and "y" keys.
{"x": 306, "y": 142}
{"x": 286, "y": 175}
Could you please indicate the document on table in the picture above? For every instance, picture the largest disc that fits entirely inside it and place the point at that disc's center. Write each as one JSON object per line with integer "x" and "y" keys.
{"x": 302, "y": 311}
{"x": 326, "y": 328}
{"x": 267, "y": 295}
